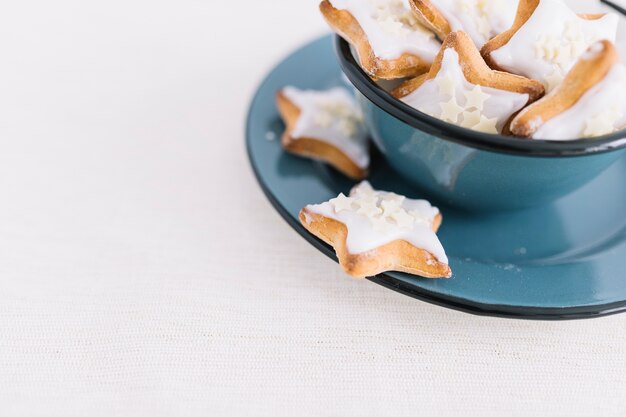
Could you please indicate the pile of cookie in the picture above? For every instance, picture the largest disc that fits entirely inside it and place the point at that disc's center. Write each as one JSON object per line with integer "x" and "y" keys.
{"x": 534, "y": 69}
{"x": 527, "y": 68}
{"x": 371, "y": 231}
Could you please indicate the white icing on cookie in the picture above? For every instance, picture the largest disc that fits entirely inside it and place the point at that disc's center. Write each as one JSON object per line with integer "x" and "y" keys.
{"x": 600, "y": 111}
{"x": 480, "y": 19}
{"x": 548, "y": 45}
{"x": 391, "y": 28}
{"x": 375, "y": 218}
{"x": 331, "y": 116}
{"x": 450, "y": 97}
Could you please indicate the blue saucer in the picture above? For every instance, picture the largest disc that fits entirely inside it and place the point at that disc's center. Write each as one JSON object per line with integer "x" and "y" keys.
{"x": 562, "y": 261}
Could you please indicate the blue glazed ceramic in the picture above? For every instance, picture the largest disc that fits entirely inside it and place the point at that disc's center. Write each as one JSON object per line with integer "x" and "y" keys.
{"x": 563, "y": 260}
{"x": 474, "y": 170}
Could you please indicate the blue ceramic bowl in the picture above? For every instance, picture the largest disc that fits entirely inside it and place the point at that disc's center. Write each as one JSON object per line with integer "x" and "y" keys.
{"x": 470, "y": 169}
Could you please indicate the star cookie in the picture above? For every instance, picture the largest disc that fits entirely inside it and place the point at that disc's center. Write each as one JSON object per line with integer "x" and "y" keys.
{"x": 546, "y": 39}
{"x": 461, "y": 89}
{"x": 388, "y": 39}
{"x": 327, "y": 126}
{"x": 480, "y": 19}
{"x": 377, "y": 231}
{"x": 590, "y": 102}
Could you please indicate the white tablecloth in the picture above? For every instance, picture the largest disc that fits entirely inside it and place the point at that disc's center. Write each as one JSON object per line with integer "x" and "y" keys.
{"x": 143, "y": 272}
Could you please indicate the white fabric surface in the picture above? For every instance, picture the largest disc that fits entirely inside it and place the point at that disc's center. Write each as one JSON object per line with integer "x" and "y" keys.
{"x": 143, "y": 273}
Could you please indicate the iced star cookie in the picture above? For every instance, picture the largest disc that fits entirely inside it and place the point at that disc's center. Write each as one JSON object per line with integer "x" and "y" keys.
{"x": 480, "y": 19}
{"x": 325, "y": 125}
{"x": 546, "y": 39}
{"x": 389, "y": 41}
{"x": 461, "y": 89}
{"x": 377, "y": 231}
{"x": 590, "y": 102}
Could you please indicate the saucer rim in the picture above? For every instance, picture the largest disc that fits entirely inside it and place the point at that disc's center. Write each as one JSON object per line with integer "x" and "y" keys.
{"x": 455, "y": 303}
{"x": 386, "y": 280}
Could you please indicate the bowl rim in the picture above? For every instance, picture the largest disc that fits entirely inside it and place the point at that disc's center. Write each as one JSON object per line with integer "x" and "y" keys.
{"x": 450, "y": 132}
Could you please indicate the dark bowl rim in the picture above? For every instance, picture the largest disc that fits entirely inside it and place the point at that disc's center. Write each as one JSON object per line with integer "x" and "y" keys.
{"x": 485, "y": 141}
